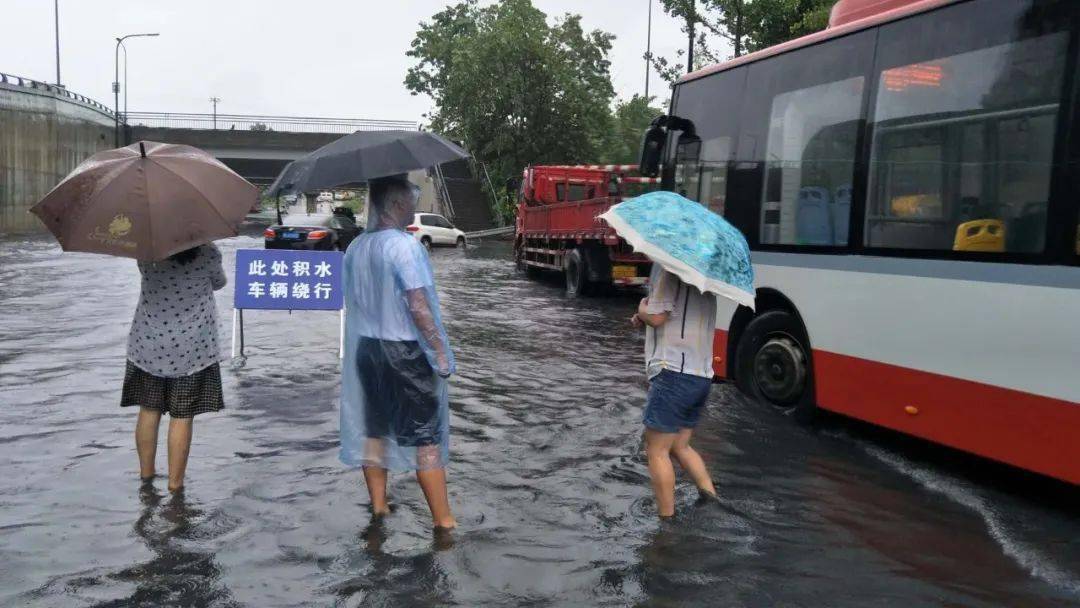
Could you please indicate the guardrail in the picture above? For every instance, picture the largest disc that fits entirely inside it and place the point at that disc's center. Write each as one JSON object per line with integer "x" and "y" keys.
{"x": 246, "y": 122}
{"x": 30, "y": 83}
{"x": 490, "y": 232}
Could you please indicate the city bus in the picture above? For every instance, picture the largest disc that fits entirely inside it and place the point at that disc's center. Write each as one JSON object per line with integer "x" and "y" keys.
{"x": 908, "y": 182}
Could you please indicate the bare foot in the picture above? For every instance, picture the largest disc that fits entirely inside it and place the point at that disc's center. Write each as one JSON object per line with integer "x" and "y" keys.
{"x": 381, "y": 511}
{"x": 176, "y": 489}
{"x": 442, "y": 538}
{"x": 446, "y": 524}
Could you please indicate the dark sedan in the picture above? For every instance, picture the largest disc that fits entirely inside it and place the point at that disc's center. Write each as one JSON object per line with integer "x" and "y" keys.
{"x": 322, "y": 232}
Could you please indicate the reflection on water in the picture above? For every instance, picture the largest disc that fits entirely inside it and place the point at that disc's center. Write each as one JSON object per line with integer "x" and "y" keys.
{"x": 547, "y": 477}
{"x": 180, "y": 573}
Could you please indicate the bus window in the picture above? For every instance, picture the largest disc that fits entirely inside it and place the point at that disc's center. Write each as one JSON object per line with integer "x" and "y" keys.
{"x": 799, "y": 128}
{"x": 704, "y": 178}
{"x": 712, "y": 104}
{"x": 962, "y": 148}
{"x": 810, "y": 163}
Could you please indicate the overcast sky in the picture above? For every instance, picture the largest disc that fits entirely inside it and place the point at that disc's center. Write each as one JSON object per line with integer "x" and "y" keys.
{"x": 335, "y": 58}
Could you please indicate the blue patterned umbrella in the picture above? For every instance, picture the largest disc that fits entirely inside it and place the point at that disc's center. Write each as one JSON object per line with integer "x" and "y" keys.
{"x": 688, "y": 240}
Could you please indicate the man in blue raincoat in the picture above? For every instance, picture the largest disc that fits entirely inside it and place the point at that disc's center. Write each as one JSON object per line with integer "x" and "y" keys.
{"x": 394, "y": 408}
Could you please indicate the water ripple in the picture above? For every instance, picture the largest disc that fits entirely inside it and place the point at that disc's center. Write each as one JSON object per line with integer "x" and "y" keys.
{"x": 547, "y": 477}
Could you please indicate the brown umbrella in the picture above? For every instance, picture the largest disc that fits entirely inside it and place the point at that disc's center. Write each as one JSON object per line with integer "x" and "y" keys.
{"x": 146, "y": 201}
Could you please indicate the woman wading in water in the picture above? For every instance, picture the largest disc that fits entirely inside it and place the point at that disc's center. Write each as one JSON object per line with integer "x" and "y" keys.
{"x": 173, "y": 355}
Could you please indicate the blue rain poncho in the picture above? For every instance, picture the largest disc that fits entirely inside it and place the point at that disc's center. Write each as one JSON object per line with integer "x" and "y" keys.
{"x": 394, "y": 406}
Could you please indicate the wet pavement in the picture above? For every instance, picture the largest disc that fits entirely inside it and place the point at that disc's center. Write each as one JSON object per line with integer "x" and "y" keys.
{"x": 547, "y": 478}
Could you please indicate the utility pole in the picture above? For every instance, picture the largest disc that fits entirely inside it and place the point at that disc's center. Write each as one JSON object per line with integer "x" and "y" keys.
{"x": 56, "y": 13}
{"x": 215, "y": 100}
{"x": 648, "y": 52}
{"x": 690, "y": 27}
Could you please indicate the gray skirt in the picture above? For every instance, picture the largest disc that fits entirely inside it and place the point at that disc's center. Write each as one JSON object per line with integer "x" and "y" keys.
{"x": 182, "y": 397}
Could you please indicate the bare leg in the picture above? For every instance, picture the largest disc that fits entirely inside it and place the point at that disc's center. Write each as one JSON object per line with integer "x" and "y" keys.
{"x": 375, "y": 478}
{"x": 433, "y": 482}
{"x": 146, "y": 431}
{"x": 658, "y": 451}
{"x": 691, "y": 462}
{"x": 179, "y": 448}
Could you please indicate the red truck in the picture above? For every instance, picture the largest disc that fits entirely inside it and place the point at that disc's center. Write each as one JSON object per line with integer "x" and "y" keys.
{"x": 558, "y": 229}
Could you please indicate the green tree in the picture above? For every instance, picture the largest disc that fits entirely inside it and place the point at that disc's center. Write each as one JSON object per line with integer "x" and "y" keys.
{"x": 629, "y": 121}
{"x": 748, "y": 25}
{"x": 514, "y": 88}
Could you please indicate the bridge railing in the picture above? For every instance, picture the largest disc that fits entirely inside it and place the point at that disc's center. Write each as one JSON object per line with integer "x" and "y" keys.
{"x": 30, "y": 83}
{"x": 246, "y": 122}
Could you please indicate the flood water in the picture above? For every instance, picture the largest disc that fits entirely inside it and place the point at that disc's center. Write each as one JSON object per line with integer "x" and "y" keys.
{"x": 547, "y": 476}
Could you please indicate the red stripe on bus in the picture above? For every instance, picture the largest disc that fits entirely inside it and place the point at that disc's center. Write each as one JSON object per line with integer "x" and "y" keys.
{"x": 719, "y": 351}
{"x": 1022, "y": 429}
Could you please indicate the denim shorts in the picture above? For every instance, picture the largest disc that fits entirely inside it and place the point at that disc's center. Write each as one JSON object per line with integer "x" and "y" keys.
{"x": 675, "y": 401}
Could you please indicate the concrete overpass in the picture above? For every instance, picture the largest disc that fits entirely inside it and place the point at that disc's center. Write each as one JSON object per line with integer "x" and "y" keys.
{"x": 256, "y": 147}
{"x": 46, "y": 131}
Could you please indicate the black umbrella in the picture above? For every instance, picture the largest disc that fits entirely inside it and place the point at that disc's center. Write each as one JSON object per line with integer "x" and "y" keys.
{"x": 363, "y": 156}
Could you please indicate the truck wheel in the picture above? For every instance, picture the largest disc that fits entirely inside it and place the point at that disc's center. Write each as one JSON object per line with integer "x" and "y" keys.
{"x": 577, "y": 275}
{"x": 772, "y": 363}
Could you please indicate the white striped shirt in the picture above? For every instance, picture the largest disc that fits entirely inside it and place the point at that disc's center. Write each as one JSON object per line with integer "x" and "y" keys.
{"x": 685, "y": 343}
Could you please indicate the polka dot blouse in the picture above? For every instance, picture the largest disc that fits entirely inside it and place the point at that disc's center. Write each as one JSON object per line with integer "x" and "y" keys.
{"x": 175, "y": 330}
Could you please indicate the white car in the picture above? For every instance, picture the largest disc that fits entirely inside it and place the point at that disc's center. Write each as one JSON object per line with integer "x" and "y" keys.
{"x": 434, "y": 230}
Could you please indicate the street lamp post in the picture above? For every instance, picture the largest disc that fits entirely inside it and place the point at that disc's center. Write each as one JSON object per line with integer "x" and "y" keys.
{"x": 648, "y": 52}
{"x": 123, "y": 46}
{"x": 116, "y": 84}
{"x": 56, "y": 15}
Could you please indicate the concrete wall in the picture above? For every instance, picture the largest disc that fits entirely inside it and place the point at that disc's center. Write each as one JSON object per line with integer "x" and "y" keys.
{"x": 429, "y": 200}
{"x": 43, "y": 136}
{"x": 257, "y": 155}
{"x": 246, "y": 143}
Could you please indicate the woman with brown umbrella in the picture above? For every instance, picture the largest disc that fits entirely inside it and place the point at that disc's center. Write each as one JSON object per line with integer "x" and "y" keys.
{"x": 172, "y": 356}
{"x": 162, "y": 204}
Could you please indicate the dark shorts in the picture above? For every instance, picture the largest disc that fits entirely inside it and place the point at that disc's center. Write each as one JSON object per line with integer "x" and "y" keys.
{"x": 182, "y": 397}
{"x": 401, "y": 399}
{"x": 675, "y": 401}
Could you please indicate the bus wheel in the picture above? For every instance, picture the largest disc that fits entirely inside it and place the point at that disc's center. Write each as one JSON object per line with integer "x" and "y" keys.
{"x": 773, "y": 363}
{"x": 577, "y": 274}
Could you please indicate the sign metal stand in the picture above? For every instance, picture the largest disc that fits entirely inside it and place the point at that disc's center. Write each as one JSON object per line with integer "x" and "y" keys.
{"x": 283, "y": 279}
{"x": 238, "y": 326}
